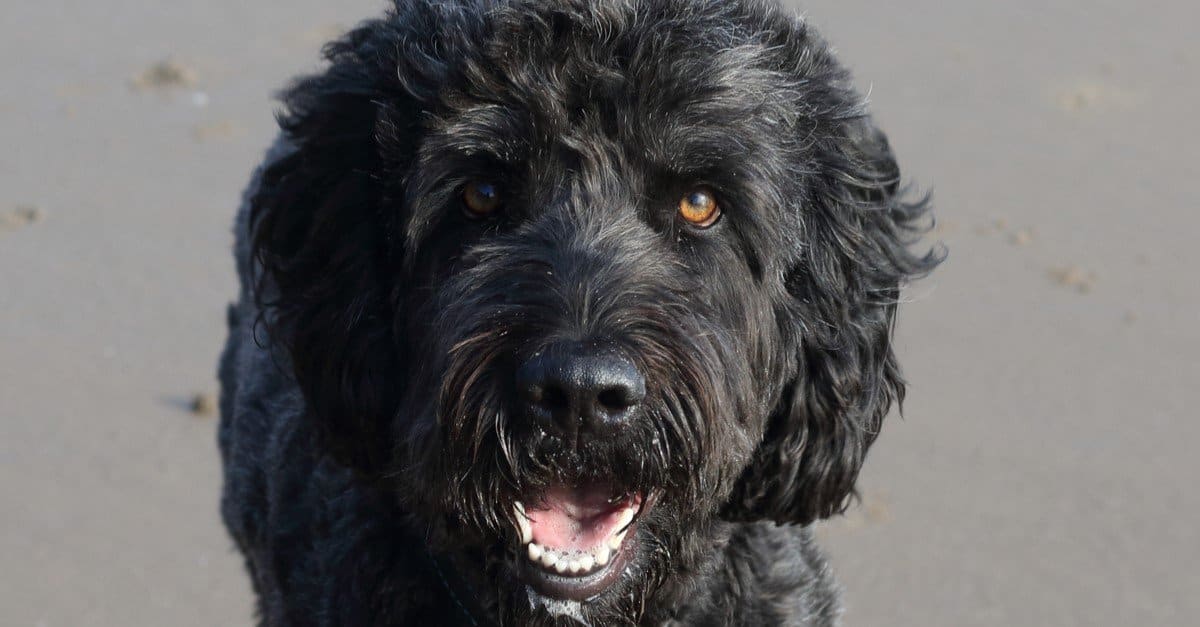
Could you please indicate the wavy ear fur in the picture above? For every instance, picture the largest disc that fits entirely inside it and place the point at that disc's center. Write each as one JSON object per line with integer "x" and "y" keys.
{"x": 844, "y": 293}
{"x": 318, "y": 238}
{"x": 323, "y": 229}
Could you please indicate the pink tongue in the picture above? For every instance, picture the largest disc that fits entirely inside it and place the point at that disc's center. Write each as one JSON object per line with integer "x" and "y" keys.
{"x": 574, "y": 519}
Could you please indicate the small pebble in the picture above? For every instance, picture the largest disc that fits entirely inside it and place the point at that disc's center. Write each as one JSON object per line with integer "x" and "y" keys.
{"x": 1023, "y": 237}
{"x": 203, "y": 404}
{"x": 1074, "y": 277}
{"x": 166, "y": 74}
{"x": 22, "y": 216}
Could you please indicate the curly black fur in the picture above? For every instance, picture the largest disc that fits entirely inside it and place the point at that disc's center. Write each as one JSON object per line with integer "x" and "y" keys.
{"x": 372, "y": 452}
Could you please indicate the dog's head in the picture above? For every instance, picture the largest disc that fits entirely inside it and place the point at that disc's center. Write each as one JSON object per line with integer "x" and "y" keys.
{"x": 583, "y": 281}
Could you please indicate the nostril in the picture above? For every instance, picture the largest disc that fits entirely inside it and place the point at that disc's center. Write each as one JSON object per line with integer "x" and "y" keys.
{"x": 615, "y": 399}
{"x": 553, "y": 398}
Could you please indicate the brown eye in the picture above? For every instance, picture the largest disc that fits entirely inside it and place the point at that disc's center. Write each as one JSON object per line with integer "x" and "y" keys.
{"x": 699, "y": 207}
{"x": 481, "y": 199}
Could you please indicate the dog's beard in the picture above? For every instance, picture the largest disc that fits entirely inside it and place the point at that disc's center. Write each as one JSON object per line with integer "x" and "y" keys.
{"x": 598, "y": 522}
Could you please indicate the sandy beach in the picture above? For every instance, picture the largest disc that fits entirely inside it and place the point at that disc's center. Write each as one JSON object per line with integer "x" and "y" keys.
{"x": 1041, "y": 475}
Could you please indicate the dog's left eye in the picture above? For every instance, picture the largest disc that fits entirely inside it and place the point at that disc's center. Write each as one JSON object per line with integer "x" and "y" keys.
{"x": 699, "y": 207}
{"x": 481, "y": 199}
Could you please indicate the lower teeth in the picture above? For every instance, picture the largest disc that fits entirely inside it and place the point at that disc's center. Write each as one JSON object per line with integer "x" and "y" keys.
{"x": 553, "y": 561}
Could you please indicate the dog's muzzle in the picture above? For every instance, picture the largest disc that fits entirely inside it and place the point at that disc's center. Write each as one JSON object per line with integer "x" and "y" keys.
{"x": 573, "y": 537}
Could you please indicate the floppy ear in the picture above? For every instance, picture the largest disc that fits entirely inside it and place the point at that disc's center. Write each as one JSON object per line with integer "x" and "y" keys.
{"x": 843, "y": 296}
{"x": 325, "y": 231}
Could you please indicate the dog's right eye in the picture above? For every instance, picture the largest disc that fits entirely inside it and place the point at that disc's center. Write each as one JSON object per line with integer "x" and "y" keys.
{"x": 481, "y": 199}
{"x": 699, "y": 208}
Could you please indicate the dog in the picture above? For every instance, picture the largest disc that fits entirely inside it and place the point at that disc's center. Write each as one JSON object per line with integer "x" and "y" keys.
{"x": 562, "y": 312}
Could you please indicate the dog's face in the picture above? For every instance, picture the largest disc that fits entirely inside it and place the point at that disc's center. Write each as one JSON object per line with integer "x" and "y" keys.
{"x": 581, "y": 282}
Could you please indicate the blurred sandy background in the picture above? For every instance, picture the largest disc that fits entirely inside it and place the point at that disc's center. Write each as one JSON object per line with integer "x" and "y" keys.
{"x": 1045, "y": 471}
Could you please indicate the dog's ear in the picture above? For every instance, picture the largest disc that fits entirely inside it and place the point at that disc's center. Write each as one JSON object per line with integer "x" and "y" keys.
{"x": 843, "y": 293}
{"x": 325, "y": 223}
{"x": 318, "y": 238}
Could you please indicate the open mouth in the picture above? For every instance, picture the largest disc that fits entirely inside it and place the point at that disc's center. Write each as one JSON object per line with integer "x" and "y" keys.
{"x": 573, "y": 540}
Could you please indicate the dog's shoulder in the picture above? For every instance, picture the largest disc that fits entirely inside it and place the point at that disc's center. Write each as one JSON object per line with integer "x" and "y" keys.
{"x": 766, "y": 575}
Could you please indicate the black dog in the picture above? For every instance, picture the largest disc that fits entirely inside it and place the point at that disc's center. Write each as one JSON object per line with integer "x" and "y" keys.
{"x": 562, "y": 311}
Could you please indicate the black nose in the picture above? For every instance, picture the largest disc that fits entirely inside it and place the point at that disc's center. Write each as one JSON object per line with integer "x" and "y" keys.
{"x": 577, "y": 391}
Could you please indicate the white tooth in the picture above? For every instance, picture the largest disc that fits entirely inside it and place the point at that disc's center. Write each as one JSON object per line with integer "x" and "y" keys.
{"x": 601, "y": 555}
{"x": 614, "y": 542}
{"x": 549, "y": 558}
{"x": 574, "y": 566}
{"x": 626, "y": 518}
{"x": 535, "y": 552}
{"x": 586, "y": 563}
{"x": 526, "y": 530}
{"x": 562, "y": 566}
{"x": 523, "y": 527}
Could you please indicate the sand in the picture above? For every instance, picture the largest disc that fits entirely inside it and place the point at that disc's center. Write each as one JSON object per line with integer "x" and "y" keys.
{"x": 1042, "y": 472}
